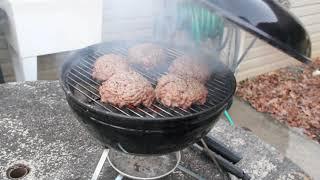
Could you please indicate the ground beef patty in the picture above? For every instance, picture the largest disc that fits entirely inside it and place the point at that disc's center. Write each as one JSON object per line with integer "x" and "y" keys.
{"x": 107, "y": 65}
{"x": 127, "y": 89}
{"x": 190, "y": 66}
{"x": 148, "y": 55}
{"x": 175, "y": 91}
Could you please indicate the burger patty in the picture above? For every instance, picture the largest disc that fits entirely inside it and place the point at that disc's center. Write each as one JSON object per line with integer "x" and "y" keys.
{"x": 127, "y": 89}
{"x": 175, "y": 91}
{"x": 190, "y": 66}
{"x": 107, "y": 65}
{"x": 148, "y": 55}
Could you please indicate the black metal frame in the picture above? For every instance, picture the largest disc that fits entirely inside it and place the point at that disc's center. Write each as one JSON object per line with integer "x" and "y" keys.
{"x": 1, "y": 77}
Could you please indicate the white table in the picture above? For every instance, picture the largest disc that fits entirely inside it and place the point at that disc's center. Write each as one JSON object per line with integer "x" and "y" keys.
{"x": 39, "y": 27}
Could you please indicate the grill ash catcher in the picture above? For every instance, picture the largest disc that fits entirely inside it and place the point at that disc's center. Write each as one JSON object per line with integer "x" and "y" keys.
{"x": 155, "y": 135}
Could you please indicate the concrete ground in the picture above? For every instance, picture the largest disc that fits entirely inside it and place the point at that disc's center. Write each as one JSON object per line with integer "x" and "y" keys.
{"x": 290, "y": 142}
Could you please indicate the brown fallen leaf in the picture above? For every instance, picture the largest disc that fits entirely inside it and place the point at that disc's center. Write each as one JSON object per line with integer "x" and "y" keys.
{"x": 291, "y": 95}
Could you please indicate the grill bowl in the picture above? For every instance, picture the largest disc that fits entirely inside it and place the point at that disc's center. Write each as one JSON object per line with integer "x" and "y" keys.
{"x": 142, "y": 131}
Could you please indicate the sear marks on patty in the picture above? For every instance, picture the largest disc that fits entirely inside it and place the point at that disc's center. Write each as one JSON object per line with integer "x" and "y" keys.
{"x": 107, "y": 65}
{"x": 190, "y": 66}
{"x": 175, "y": 91}
{"x": 147, "y": 54}
{"x": 127, "y": 89}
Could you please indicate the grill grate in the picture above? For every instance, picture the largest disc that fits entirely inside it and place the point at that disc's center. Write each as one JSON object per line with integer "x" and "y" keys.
{"x": 86, "y": 89}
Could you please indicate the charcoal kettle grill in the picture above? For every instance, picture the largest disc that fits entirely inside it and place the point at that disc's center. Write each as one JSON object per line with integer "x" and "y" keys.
{"x": 160, "y": 130}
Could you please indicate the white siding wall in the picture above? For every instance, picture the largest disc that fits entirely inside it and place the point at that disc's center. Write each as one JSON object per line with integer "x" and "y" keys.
{"x": 128, "y": 19}
{"x": 263, "y": 58}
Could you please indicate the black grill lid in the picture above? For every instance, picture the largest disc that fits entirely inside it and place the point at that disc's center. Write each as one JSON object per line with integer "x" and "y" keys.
{"x": 269, "y": 21}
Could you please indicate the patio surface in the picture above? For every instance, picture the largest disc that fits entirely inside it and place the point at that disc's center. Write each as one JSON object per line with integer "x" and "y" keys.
{"x": 290, "y": 142}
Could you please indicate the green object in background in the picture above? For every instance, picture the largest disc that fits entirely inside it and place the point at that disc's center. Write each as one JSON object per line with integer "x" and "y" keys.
{"x": 225, "y": 112}
{"x": 198, "y": 21}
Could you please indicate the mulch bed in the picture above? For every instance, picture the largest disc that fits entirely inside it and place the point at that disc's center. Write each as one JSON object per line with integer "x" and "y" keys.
{"x": 291, "y": 95}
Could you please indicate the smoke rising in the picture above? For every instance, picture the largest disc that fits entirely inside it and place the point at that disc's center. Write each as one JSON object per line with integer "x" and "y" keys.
{"x": 168, "y": 22}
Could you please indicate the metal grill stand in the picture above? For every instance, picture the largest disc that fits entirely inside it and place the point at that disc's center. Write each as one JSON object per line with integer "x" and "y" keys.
{"x": 223, "y": 158}
{"x": 105, "y": 156}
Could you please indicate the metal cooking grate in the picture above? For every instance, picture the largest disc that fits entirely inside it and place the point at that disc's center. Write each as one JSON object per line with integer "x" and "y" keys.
{"x": 86, "y": 89}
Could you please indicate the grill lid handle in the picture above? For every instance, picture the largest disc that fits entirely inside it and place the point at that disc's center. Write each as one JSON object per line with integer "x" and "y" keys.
{"x": 269, "y": 21}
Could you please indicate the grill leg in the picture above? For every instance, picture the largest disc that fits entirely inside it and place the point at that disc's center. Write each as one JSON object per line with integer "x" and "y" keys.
{"x": 1, "y": 76}
{"x": 230, "y": 104}
{"x": 100, "y": 165}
